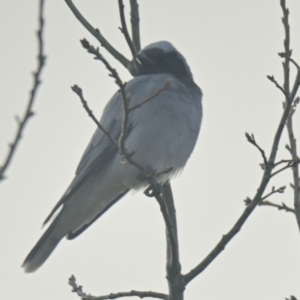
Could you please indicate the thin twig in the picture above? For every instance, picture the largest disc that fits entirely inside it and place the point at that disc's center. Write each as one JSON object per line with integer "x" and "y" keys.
{"x": 79, "y": 291}
{"x": 76, "y": 288}
{"x": 251, "y": 140}
{"x": 280, "y": 207}
{"x": 112, "y": 72}
{"x": 272, "y": 79}
{"x": 125, "y": 32}
{"x": 274, "y": 191}
{"x": 135, "y": 24}
{"x": 96, "y": 33}
{"x": 290, "y": 164}
{"x": 163, "y": 88}
{"x": 283, "y": 55}
{"x": 293, "y": 145}
{"x": 76, "y": 89}
{"x": 283, "y": 161}
{"x": 132, "y": 293}
{"x": 41, "y": 58}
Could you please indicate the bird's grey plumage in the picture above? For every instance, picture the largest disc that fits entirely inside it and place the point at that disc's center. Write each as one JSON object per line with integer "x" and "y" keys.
{"x": 162, "y": 133}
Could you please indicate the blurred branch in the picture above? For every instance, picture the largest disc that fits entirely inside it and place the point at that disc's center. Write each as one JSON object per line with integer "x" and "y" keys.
{"x": 274, "y": 191}
{"x": 280, "y": 207}
{"x": 292, "y": 298}
{"x": 272, "y": 79}
{"x": 78, "y": 290}
{"x": 289, "y": 164}
{"x": 175, "y": 282}
{"x": 125, "y": 32}
{"x": 76, "y": 89}
{"x": 135, "y": 24}
{"x": 269, "y": 164}
{"x": 283, "y": 161}
{"x": 163, "y": 88}
{"x": 41, "y": 58}
{"x": 290, "y": 96}
{"x": 251, "y": 140}
{"x": 96, "y": 33}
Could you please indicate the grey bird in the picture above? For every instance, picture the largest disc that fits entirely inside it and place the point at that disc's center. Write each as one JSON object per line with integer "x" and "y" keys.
{"x": 162, "y": 133}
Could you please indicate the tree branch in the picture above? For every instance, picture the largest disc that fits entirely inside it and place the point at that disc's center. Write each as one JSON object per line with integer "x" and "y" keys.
{"x": 272, "y": 79}
{"x": 274, "y": 191}
{"x": 76, "y": 89}
{"x": 96, "y": 33}
{"x": 280, "y": 207}
{"x": 251, "y": 140}
{"x": 41, "y": 58}
{"x": 163, "y": 88}
{"x": 135, "y": 24}
{"x": 124, "y": 30}
{"x": 286, "y": 68}
{"x": 78, "y": 290}
{"x": 174, "y": 276}
{"x": 290, "y": 164}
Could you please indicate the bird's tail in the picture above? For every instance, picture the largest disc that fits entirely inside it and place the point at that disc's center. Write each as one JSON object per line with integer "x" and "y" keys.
{"x": 43, "y": 248}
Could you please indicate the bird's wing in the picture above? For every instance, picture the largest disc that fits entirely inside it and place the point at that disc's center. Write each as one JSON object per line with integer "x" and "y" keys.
{"x": 99, "y": 151}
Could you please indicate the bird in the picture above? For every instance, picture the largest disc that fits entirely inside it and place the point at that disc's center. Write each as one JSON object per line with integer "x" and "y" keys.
{"x": 161, "y": 134}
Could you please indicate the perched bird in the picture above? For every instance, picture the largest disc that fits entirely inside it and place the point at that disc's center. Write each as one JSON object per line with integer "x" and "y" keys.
{"x": 162, "y": 133}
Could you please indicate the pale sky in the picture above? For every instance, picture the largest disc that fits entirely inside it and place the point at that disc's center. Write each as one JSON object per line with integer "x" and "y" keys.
{"x": 230, "y": 46}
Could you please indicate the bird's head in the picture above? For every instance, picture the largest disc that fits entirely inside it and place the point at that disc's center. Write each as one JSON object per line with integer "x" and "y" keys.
{"x": 163, "y": 57}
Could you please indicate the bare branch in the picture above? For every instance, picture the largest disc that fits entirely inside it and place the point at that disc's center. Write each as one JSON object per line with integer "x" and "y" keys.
{"x": 77, "y": 90}
{"x": 125, "y": 32}
{"x": 251, "y": 140}
{"x": 41, "y": 58}
{"x": 280, "y": 207}
{"x": 163, "y": 88}
{"x": 164, "y": 197}
{"x": 290, "y": 97}
{"x": 135, "y": 24}
{"x": 78, "y": 290}
{"x": 272, "y": 79}
{"x": 174, "y": 276}
{"x": 112, "y": 72}
{"x": 132, "y": 293}
{"x": 291, "y": 164}
{"x": 283, "y": 161}
{"x": 96, "y": 33}
{"x": 283, "y": 55}
{"x": 292, "y": 298}
{"x": 274, "y": 191}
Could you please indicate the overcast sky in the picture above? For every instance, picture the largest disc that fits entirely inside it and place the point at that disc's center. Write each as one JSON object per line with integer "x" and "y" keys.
{"x": 230, "y": 46}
